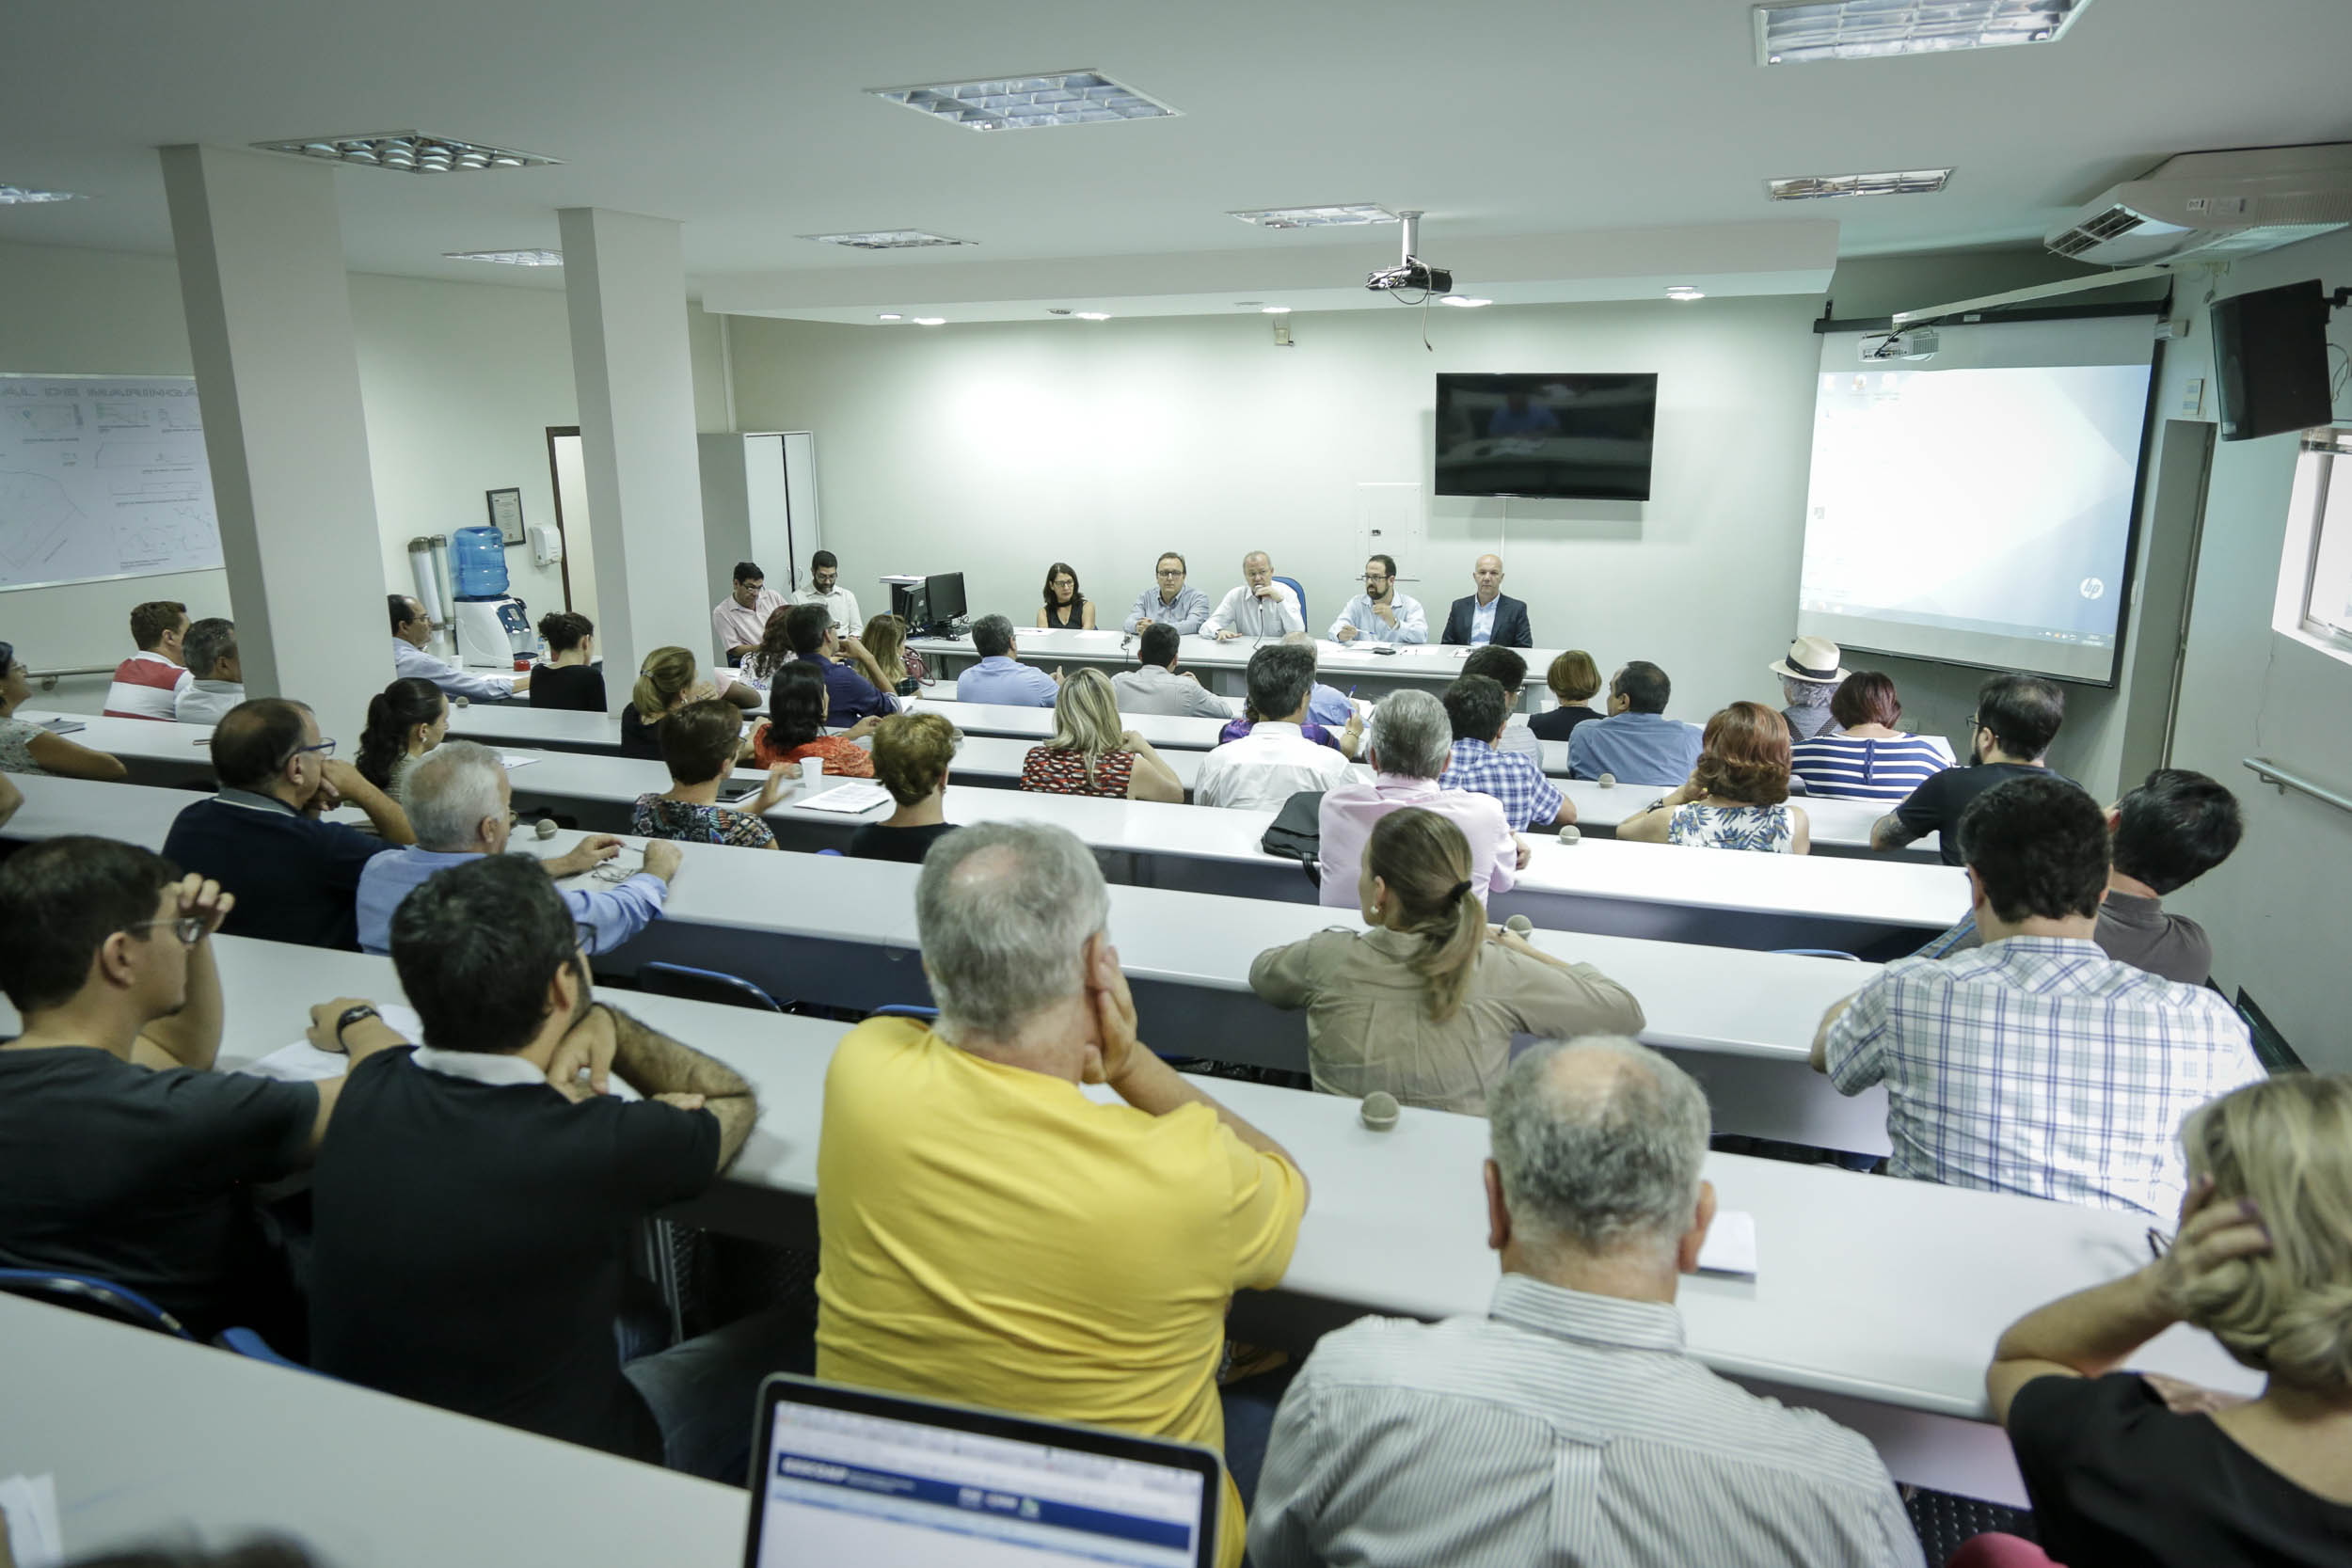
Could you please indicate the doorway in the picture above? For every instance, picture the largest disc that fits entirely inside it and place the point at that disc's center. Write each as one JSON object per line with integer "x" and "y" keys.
{"x": 569, "y": 475}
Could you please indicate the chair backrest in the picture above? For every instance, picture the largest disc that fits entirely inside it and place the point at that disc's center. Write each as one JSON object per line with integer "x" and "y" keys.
{"x": 1292, "y": 583}
{"x": 1815, "y": 953}
{"x": 245, "y": 1342}
{"x": 99, "y": 1298}
{"x": 704, "y": 985}
{"x": 904, "y": 1010}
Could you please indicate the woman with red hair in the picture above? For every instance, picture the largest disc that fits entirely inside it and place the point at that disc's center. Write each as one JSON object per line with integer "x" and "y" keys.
{"x": 1737, "y": 796}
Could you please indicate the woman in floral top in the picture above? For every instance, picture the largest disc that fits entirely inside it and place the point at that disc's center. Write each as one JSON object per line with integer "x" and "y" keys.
{"x": 1737, "y": 795}
{"x": 797, "y": 706}
{"x": 699, "y": 743}
{"x": 1092, "y": 753}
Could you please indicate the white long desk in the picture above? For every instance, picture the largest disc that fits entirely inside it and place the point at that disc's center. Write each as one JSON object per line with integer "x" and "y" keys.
{"x": 1339, "y": 664}
{"x": 1876, "y": 1300}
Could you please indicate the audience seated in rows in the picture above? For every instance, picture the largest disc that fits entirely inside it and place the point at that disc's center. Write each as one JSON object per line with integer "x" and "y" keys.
{"x": 2126, "y": 1467}
{"x": 122, "y": 1153}
{"x": 700, "y": 745}
{"x": 2008, "y": 737}
{"x": 670, "y": 678}
{"x": 461, "y": 805}
{"x": 413, "y": 631}
{"x": 797, "y": 705}
{"x": 405, "y": 721}
{"x": 1737, "y": 796}
{"x": 1000, "y": 676}
{"x": 1867, "y": 758}
{"x": 1425, "y": 1003}
{"x": 147, "y": 683}
{"x": 296, "y": 877}
{"x": 1092, "y": 753}
{"x": 1568, "y": 1423}
{"x": 1156, "y": 686}
{"x": 1274, "y": 761}
{"x": 994, "y": 1237}
{"x": 29, "y": 748}
{"x": 1636, "y": 744}
{"x": 1508, "y": 670}
{"x": 1810, "y": 673}
{"x": 475, "y": 1193}
{"x": 571, "y": 678}
{"x": 2173, "y": 829}
{"x": 217, "y": 682}
{"x": 1575, "y": 680}
{"x": 2037, "y": 1065}
{"x": 1066, "y": 605}
{"x": 899, "y": 665}
{"x": 1478, "y": 711}
{"x": 911, "y": 751}
{"x": 1410, "y": 748}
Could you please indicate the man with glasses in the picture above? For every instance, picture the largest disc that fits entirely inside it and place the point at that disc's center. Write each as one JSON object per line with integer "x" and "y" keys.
{"x": 263, "y": 837}
{"x": 122, "y": 1153}
{"x": 1169, "y": 602}
{"x": 2009, "y": 734}
{"x": 461, "y": 805}
{"x": 740, "y": 619}
{"x": 824, "y": 588}
{"x": 1380, "y": 612}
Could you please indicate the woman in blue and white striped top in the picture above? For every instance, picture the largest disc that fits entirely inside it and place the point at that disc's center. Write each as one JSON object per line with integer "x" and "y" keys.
{"x": 1871, "y": 760}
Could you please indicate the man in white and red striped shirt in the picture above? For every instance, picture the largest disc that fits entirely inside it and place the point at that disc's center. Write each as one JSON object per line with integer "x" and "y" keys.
{"x": 146, "y": 683}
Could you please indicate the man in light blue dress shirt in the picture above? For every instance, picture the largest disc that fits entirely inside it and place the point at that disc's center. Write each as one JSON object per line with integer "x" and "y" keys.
{"x": 1636, "y": 743}
{"x": 412, "y": 630}
{"x": 1169, "y": 601}
{"x": 998, "y": 677}
{"x": 1380, "y": 612}
{"x": 460, "y": 806}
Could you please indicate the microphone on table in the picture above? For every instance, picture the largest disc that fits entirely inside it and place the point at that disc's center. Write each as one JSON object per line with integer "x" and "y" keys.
{"x": 1570, "y": 833}
{"x": 1520, "y": 924}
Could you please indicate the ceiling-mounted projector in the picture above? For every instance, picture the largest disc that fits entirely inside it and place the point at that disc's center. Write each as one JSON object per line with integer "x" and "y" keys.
{"x": 1412, "y": 272}
{"x": 1918, "y": 343}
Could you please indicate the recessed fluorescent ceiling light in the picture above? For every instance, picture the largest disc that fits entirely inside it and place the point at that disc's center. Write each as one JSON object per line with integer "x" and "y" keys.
{"x": 887, "y": 239}
{"x": 1274, "y": 309}
{"x": 1316, "y": 217}
{"x": 1684, "y": 292}
{"x": 889, "y": 316}
{"x": 930, "y": 321}
{"x": 409, "y": 151}
{"x": 12, "y": 195}
{"x": 511, "y": 257}
{"x": 1094, "y": 315}
{"x": 1025, "y": 103}
{"x": 1812, "y": 187}
{"x": 1467, "y": 302}
{"x": 1874, "y": 29}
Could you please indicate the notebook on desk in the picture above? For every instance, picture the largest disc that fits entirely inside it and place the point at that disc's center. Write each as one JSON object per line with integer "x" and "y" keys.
{"x": 62, "y": 726}
{"x": 851, "y": 799}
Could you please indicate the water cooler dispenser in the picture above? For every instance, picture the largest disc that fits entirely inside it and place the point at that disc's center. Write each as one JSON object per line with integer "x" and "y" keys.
{"x": 493, "y": 626}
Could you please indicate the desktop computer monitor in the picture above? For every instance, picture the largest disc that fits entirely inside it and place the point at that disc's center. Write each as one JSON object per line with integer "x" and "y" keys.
{"x": 911, "y": 603}
{"x": 944, "y": 590}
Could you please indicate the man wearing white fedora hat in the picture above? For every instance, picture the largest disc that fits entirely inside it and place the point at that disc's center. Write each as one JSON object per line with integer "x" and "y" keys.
{"x": 1808, "y": 678}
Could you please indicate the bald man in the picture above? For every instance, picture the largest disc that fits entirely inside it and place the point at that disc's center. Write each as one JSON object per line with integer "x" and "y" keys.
{"x": 1489, "y": 616}
{"x": 1260, "y": 607}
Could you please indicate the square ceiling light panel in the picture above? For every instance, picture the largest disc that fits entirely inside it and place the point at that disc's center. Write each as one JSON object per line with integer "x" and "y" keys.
{"x": 887, "y": 239}
{"x": 1814, "y": 187}
{"x": 406, "y": 152}
{"x": 12, "y": 196}
{"x": 1316, "y": 217}
{"x": 508, "y": 257}
{"x": 1875, "y": 29}
{"x": 1030, "y": 103}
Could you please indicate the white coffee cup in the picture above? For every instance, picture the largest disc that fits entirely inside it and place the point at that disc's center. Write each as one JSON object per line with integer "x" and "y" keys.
{"x": 812, "y": 773}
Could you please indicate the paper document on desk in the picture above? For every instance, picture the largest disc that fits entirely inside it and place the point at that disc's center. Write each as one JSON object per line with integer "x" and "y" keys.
{"x": 28, "y": 1521}
{"x": 64, "y": 726}
{"x": 1730, "y": 1247}
{"x": 305, "y": 1063}
{"x": 848, "y": 798}
{"x": 516, "y": 761}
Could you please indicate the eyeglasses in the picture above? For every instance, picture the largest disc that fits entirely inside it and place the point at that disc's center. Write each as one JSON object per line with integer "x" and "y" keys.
{"x": 1171, "y": 572}
{"x": 324, "y": 748}
{"x": 190, "y": 928}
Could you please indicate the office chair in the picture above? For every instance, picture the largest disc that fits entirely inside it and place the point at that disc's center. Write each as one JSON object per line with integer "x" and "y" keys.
{"x": 1303, "y": 619}
{"x": 704, "y": 985}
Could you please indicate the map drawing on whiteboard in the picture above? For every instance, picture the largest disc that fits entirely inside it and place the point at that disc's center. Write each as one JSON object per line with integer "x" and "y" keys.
{"x": 103, "y": 477}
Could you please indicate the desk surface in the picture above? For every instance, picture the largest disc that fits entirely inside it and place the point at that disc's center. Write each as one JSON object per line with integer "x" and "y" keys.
{"x": 1425, "y": 661}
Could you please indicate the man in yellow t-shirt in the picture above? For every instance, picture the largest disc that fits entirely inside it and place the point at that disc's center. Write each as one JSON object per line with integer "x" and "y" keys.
{"x": 994, "y": 1236}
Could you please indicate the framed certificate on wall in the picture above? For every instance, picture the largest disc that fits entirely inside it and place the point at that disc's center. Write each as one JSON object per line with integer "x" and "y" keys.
{"x": 506, "y": 513}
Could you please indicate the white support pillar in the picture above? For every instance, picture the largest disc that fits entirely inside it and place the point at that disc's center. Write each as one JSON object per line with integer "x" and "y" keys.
{"x": 268, "y": 303}
{"x": 624, "y": 281}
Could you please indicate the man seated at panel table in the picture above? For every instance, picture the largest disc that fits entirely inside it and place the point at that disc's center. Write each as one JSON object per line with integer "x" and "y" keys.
{"x": 1410, "y": 745}
{"x": 296, "y": 878}
{"x": 1488, "y": 617}
{"x": 1475, "y": 707}
{"x": 995, "y": 1237}
{"x": 146, "y": 684}
{"x": 999, "y": 677}
{"x": 1260, "y": 607}
{"x": 1274, "y": 760}
{"x": 1155, "y": 686}
{"x": 475, "y": 1199}
{"x": 824, "y": 588}
{"x": 461, "y": 805}
{"x": 2008, "y": 737}
{"x": 2038, "y": 1065}
{"x": 1508, "y": 670}
{"x": 412, "y": 630}
{"x": 2162, "y": 836}
{"x": 1568, "y": 1423}
{"x": 1380, "y": 613}
{"x": 1636, "y": 743}
{"x": 854, "y": 686}
{"x": 739, "y": 619}
{"x": 1170, "y": 601}
{"x": 124, "y": 1154}
{"x": 210, "y": 650}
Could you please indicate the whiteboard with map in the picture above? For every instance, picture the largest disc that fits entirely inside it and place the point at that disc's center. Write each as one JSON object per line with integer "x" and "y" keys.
{"x": 102, "y": 475}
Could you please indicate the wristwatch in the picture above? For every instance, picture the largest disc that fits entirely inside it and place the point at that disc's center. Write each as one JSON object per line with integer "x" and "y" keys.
{"x": 351, "y": 1016}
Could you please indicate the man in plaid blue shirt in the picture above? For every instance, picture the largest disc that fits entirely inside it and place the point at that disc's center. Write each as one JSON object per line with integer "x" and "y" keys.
{"x": 2037, "y": 1064}
{"x": 1478, "y": 709}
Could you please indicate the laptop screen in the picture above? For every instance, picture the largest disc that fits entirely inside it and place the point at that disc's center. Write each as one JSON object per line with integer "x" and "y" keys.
{"x": 902, "y": 1483}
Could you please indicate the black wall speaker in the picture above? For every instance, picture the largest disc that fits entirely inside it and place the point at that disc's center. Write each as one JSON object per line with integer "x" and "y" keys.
{"x": 2270, "y": 360}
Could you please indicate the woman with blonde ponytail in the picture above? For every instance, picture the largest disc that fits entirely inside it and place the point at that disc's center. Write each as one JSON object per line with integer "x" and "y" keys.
{"x": 1424, "y": 1003}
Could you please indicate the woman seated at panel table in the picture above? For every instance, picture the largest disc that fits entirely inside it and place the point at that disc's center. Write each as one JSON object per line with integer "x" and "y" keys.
{"x": 28, "y": 748}
{"x": 911, "y": 751}
{"x": 1065, "y": 607}
{"x": 1872, "y": 760}
{"x": 571, "y": 679}
{"x": 1424, "y": 1003}
{"x": 700, "y": 743}
{"x": 795, "y": 729}
{"x": 669, "y": 679}
{"x": 1737, "y": 798}
{"x": 886, "y": 640}
{"x": 2123, "y": 1467}
{"x": 406, "y": 719}
{"x": 1092, "y": 753}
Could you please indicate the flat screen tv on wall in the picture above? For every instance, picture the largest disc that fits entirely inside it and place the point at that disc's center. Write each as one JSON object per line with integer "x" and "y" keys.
{"x": 1563, "y": 438}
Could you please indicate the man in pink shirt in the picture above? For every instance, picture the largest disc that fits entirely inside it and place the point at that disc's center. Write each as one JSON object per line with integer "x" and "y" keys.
{"x": 146, "y": 683}
{"x": 1411, "y": 742}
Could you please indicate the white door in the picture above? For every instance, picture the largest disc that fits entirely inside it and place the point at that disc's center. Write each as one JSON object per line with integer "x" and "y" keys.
{"x": 579, "y": 548}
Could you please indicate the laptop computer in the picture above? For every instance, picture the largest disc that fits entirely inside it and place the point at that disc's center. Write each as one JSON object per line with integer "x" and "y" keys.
{"x": 853, "y": 1475}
